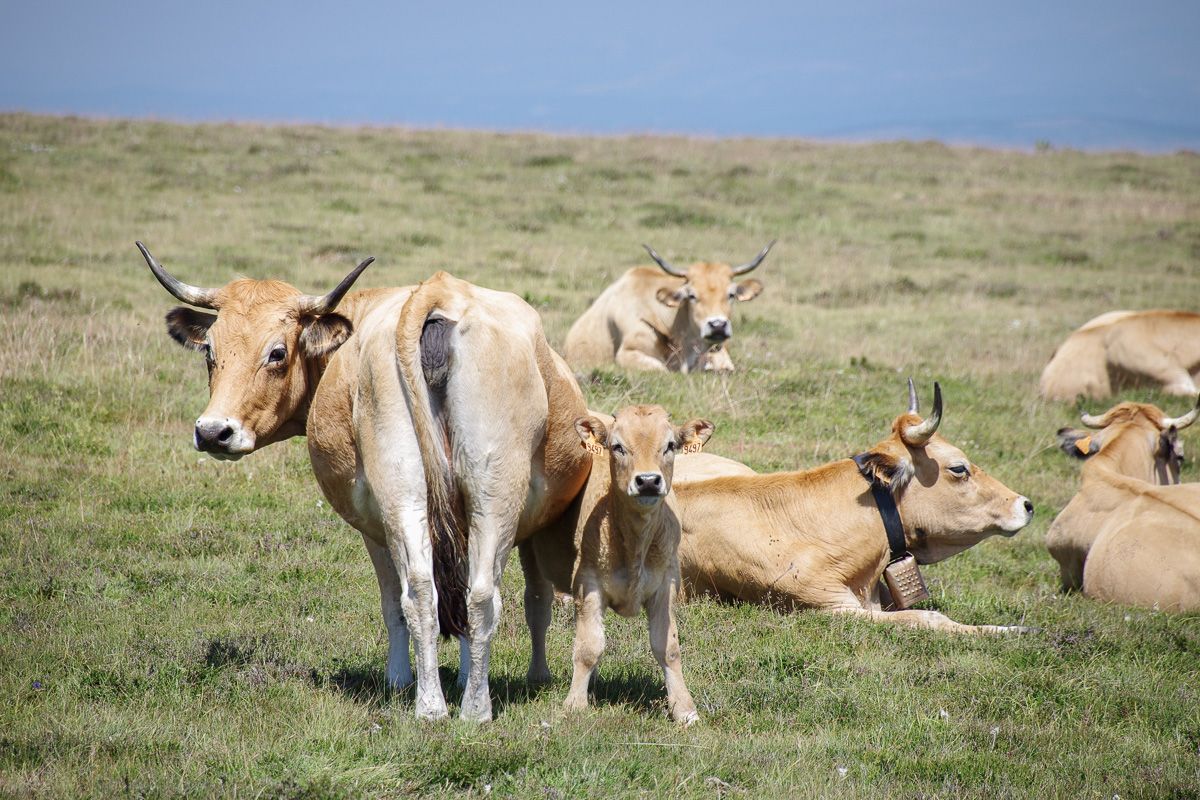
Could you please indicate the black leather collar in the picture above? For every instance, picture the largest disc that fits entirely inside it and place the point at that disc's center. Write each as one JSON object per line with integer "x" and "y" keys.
{"x": 887, "y": 511}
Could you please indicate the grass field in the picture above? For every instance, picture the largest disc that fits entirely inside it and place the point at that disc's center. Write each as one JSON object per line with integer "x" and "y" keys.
{"x": 172, "y": 625}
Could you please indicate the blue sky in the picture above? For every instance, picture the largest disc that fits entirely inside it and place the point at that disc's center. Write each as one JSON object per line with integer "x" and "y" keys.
{"x": 1088, "y": 74}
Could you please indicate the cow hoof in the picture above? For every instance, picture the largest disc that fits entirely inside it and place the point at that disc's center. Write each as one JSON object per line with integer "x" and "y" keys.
{"x": 472, "y": 712}
{"x": 575, "y": 704}
{"x": 539, "y": 677}
{"x": 687, "y": 719}
{"x": 433, "y": 714}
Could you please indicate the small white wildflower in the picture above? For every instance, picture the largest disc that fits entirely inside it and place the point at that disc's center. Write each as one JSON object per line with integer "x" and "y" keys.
{"x": 1128, "y": 617}
{"x": 310, "y": 619}
{"x": 842, "y": 772}
{"x": 376, "y": 727}
{"x": 320, "y": 504}
{"x": 943, "y": 713}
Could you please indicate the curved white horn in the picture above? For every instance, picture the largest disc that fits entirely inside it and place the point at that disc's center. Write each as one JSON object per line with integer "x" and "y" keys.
{"x": 192, "y": 295}
{"x": 914, "y": 405}
{"x": 313, "y": 304}
{"x": 666, "y": 267}
{"x": 1179, "y": 423}
{"x": 1091, "y": 420}
{"x": 920, "y": 433}
{"x": 749, "y": 265}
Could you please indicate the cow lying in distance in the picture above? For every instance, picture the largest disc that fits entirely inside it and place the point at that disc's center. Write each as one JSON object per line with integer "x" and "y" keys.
{"x": 649, "y": 320}
{"x": 621, "y": 550}
{"x": 1160, "y": 348}
{"x": 1131, "y": 534}
{"x": 440, "y": 425}
{"x": 815, "y": 539}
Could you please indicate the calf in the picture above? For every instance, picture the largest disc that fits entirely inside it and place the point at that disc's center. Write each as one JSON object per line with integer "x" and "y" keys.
{"x": 623, "y": 553}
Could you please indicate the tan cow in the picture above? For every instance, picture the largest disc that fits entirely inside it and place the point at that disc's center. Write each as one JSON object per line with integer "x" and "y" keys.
{"x": 1123, "y": 348}
{"x": 650, "y": 320}
{"x": 617, "y": 548}
{"x": 1131, "y": 535}
{"x": 430, "y": 412}
{"x": 815, "y": 539}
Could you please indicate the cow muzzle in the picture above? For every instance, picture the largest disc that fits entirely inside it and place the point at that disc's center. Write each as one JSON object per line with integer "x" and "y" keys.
{"x": 716, "y": 330}
{"x": 1022, "y": 515}
{"x": 222, "y": 438}
{"x": 648, "y": 487}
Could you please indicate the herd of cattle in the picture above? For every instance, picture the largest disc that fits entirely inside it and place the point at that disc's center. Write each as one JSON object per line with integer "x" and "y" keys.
{"x": 443, "y": 427}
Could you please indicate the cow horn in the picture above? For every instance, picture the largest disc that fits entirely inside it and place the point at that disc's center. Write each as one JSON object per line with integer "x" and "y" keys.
{"x": 312, "y": 304}
{"x": 667, "y": 268}
{"x": 914, "y": 405}
{"x": 1092, "y": 421}
{"x": 1179, "y": 423}
{"x": 192, "y": 295}
{"x": 920, "y": 433}
{"x": 749, "y": 265}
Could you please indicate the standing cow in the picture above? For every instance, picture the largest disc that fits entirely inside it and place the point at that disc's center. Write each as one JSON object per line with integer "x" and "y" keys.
{"x": 816, "y": 539}
{"x": 440, "y": 424}
{"x": 650, "y": 320}
{"x": 1132, "y": 532}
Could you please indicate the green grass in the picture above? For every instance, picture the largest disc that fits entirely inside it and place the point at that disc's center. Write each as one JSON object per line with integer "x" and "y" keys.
{"x": 171, "y": 625}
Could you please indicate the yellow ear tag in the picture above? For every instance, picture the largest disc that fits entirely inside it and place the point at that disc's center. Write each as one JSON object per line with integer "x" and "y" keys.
{"x": 694, "y": 447}
{"x": 1084, "y": 445}
{"x": 593, "y": 447}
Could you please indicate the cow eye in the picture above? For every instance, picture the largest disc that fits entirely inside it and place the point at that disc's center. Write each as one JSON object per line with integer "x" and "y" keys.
{"x": 671, "y": 446}
{"x": 277, "y": 355}
{"x": 618, "y": 449}
{"x": 959, "y": 470}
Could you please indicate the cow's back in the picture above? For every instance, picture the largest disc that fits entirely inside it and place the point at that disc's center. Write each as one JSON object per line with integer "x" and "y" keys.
{"x": 623, "y": 309}
{"x": 1149, "y": 554}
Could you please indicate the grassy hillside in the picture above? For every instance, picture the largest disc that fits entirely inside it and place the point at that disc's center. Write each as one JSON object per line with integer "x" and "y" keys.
{"x": 174, "y": 625}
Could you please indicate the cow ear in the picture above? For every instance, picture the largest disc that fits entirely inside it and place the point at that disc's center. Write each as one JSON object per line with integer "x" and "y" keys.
{"x": 747, "y": 290}
{"x": 189, "y": 327}
{"x": 693, "y": 435}
{"x": 668, "y": 297}
{"x": 1079, "y": 444}
{"x": 592, "y": 434}
{"x": 324, "y": 334}
{"x": 887, "y": 471}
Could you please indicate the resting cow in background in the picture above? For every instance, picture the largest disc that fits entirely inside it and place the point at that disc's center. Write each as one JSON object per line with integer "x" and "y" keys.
{"x": 650, "y": 320}
{"x": 1159, "y": 348}
{"x": 440, "y": 425}
{"x": 1131, "y": 535}
{"x": 815, "y": 539}
{"x": 617, "y": 548}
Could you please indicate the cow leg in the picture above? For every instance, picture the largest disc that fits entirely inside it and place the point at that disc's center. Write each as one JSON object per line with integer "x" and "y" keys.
{"x": 664, "y": 641}
{"x": 589, "y": 646}
{"x": 412, "y": 554}
{"x": 917, "y": 618}
{"x": 933, "y": 620}
{"x": 488, "y": 546}
{"x": 539, "y": 596}
{"x": 464, "y": 661}
{"x": 399, "y": 670}
{"x": 629, "y": 358}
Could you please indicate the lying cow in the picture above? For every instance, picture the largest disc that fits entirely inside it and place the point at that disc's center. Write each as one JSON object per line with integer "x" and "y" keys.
{"x": 1131, "y": 535}
{"x": 1161, "y": 348}
{"x": 619, "y": 550}
{"x": 650, "y": 320}
{"x": 429, "y": 412}
{"x": 815, "y": 538}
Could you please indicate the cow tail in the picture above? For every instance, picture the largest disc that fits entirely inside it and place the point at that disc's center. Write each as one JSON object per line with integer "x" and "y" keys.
{"x": 423, "y": 353}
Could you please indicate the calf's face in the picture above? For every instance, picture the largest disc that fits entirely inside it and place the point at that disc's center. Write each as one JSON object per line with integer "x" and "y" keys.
{"x": 641, "y": 445}
{"x": 708, "y": 297}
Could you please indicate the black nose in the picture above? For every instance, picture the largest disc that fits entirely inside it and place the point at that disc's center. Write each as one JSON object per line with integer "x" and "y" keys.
{"x": 649, "y": 483}
{"x": 718, "y": 328}
{"x": 1029, "y": 506}
{"x": 213, "y": 435}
